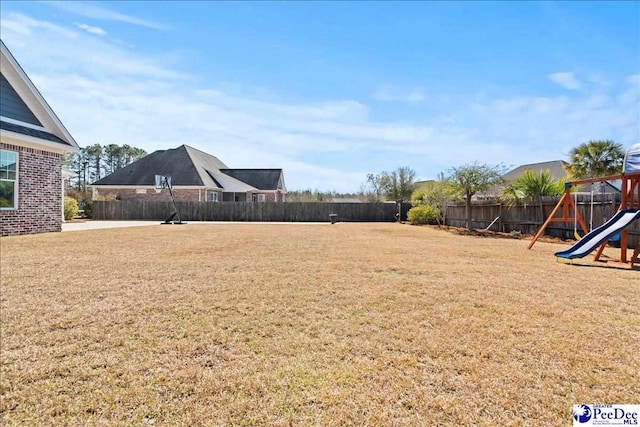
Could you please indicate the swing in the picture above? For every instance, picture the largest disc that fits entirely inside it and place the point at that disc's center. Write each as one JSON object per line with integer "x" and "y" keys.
{"x": 591, "y": 211}
{"x": 616, "y": 237}
{"x": 577, "y": 235}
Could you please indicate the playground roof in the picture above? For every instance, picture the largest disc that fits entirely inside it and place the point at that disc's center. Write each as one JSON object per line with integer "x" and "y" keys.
{"x": 632, "y": 160}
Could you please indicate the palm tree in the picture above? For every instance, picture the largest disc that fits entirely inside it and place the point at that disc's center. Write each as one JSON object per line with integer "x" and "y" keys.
{"x": 533, "y": 186}
{"x": 595, "y": 159}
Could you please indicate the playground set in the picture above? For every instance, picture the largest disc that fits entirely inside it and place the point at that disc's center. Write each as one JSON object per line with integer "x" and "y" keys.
{"x": 628, "y": 212}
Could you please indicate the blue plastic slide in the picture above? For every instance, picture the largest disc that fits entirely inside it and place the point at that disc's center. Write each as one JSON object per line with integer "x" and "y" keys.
{"x": 596, "y": 237}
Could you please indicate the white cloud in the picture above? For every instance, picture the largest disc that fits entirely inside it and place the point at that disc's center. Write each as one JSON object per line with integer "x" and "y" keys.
{"x": 91, "y": 29}
{"x": 23, "y": 25}
{"x": 597, "y": 101}
{"x": 634, "y": 80}
{"x": 412, "y": 96}
{"x": 66, "y": 49}
{"x": 94, "y": 11}
{"x": 106, "y": 93}
{"x": 566, "y": 80}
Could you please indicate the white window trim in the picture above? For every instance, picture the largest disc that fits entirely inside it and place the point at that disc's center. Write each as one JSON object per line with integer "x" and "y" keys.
{"x": 262, "y": 198}
{"x": 16, "y": 183}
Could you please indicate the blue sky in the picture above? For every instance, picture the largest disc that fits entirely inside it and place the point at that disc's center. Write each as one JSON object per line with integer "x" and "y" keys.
{"x": 330, "y": 91}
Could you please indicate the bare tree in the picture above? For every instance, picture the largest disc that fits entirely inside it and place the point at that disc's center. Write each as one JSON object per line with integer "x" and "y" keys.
{"x": 473, "y": 178}
{"x": 374, "y": 183}
{"x": 398, "y": 184}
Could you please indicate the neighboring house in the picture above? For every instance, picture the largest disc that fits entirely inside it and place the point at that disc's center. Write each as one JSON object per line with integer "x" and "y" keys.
{"x": 195, "y": 176}
{"x": 32, "y": 143}
{"x": 557, "y": 168}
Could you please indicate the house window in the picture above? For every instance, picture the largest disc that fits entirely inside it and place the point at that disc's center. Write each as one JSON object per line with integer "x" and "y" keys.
{"x": 261, "y": 198}
{"x": 8, "y": 179}
{"x": 214, "y": 196}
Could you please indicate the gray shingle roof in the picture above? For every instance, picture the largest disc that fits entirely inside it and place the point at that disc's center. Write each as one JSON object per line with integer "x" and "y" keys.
{"x": 190, "y": 167}
{"x": 555, "y": 167}
{"x": 262, "y": 179}
{"x": 12, "y": 106}
{"x": 15, "y": 105}
{"x": 23, "y": 130}
{"x": 175, "y": 162}
{"x": 557, "y": 170}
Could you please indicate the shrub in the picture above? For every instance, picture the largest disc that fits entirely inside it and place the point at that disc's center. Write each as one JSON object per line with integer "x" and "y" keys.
{"x": 87, "y": 207}
{"x": 423, "y": 214}
{"x": 70, "y": 207}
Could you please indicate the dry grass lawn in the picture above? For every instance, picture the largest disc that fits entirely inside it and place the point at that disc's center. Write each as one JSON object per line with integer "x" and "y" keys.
{"x": 351, "y": 324}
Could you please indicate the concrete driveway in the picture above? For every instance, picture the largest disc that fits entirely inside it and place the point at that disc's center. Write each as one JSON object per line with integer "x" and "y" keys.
{"x": 96, "y": 225}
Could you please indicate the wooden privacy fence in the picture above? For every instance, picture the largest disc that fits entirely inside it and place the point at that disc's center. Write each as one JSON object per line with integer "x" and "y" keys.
{"x": 527, "y": 218}
{"x": 249, "y": 211}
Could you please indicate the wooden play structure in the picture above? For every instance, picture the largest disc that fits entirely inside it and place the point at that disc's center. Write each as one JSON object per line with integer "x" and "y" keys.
{"x": 628, "y": 211}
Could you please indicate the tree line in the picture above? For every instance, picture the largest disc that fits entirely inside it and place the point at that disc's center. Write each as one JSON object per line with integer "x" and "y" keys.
{"x": 96, "y": 161}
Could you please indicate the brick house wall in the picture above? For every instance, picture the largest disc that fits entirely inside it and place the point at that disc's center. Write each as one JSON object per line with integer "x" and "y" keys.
{"x": 149, "y": 194}
{"x": 39, "y": 193}
{"x": 270, "y": 197}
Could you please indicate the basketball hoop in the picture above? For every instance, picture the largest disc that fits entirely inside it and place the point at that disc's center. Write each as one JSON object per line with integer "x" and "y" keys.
{"x": 163, "y": 181}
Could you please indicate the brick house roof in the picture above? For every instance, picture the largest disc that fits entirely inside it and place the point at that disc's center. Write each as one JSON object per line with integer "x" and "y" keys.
{"x": 175, "y": 163}
{"x": 555, "y": 167}
{"x": 262, "y": 179}
{"x": 24, "y": 111}
{"x": 189, "y": 167}
{"x": 23, "y": 130}
{"x": 558, "y": 171}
